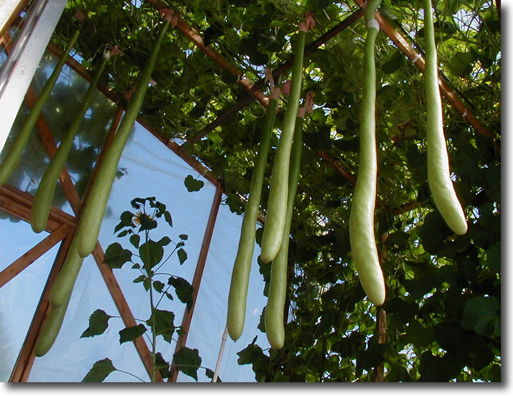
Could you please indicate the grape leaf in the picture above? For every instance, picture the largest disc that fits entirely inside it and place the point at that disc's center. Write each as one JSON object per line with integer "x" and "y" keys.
{"x": 480, "y": 314}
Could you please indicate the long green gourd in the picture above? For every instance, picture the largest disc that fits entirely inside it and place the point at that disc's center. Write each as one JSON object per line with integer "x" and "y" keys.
{"x": 45, "y": 192}
{"x": 242, "y": 266}
{"x": 94, "y": 208}
{"x": 361, "y": 219}
{"x": 50, "y": 329}
{"x": 65, "y": 281}
{"x": 275, "y": 309}
{"x": 439, "y": 179}
{"x": 277, "y": 204}
{"x": 12, "y": 158}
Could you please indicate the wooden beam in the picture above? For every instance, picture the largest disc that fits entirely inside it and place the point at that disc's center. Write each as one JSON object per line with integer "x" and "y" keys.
{"x": 309, "y": 49}
{"x": 191, "y": 33}
{"x": 33, "y": 254}
{"x": 198, "y": 275}
{"x": 18, "y": 203}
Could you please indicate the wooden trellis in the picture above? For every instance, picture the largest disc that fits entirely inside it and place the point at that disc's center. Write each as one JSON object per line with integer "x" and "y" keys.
{"x": 61, "y": 226}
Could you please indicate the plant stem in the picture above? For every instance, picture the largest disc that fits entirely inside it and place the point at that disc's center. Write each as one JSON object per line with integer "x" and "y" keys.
{"x": 133, "y": 375}
{"x": 152, "y": 307}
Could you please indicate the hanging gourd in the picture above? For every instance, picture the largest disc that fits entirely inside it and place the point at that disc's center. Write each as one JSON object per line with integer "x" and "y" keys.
{"x": 91, "y": 217}
{"x": 361, "y": 219}
{"x": 50, "y": 329}
{"x": 94, "y": 209}
{"x": 439, "y": 175}
{"x": 63, "y": 284}
{"x": 274, "y": 229}
{"x": 275, "y": 309}
{"x": 242, "y": 266}
{"x": 13, "y": 157}
{"x": 45, "y": 192}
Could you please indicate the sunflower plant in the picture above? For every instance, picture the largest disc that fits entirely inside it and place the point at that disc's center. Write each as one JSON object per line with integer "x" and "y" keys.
{"x": 148, "y": 261}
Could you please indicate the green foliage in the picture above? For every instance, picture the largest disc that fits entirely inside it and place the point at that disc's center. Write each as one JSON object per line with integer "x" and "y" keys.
{"x": 100, "y": 370}
{"x": 183, "y": 289}
{"x": 480, "y": 315}
{"x": 136, "y": 227}
{"x": 443, "y": 307}
{"x": 193, "y": 184}
{"x": 116, "y": 256}
{"x": 131, "y": 333}
{"x": 162, "y": 323}
{"x": 98, "y": 323}
{"x": 188, "y": 361}
{"x": 444, "y": 292}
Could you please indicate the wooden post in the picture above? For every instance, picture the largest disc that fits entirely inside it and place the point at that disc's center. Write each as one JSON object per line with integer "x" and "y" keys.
{"x": 187, "y": 318}
{"x": 381, "y": 316}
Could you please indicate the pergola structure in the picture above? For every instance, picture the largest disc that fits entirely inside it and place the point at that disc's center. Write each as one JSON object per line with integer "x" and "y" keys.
{"x": 62, "y": 225}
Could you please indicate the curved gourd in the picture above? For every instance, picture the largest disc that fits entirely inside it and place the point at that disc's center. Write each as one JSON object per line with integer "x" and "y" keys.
{"x": 361, "y": 220}
{"x": 242, "y": 266}
{"x": 94, "y": 209}
{"x": 439, "y": 179}
{"x": 45, "y": 192}
{"x": 275, "y": 309}
{"x": 50, "y": 329}
{"x": 277, "y": 203}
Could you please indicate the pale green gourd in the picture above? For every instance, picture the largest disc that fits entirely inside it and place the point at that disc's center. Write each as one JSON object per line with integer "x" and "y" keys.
{"x": 242, "y": 266}
{"x": 45, "y": 192}
{"x": 361, "y": 220}
{"x": 94, "y": 209}
{"x": 51, "y": 329}
{"x": 274, "y": 229}
{"x": 274, "y": 311}
{"x": 439, "y": 175}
